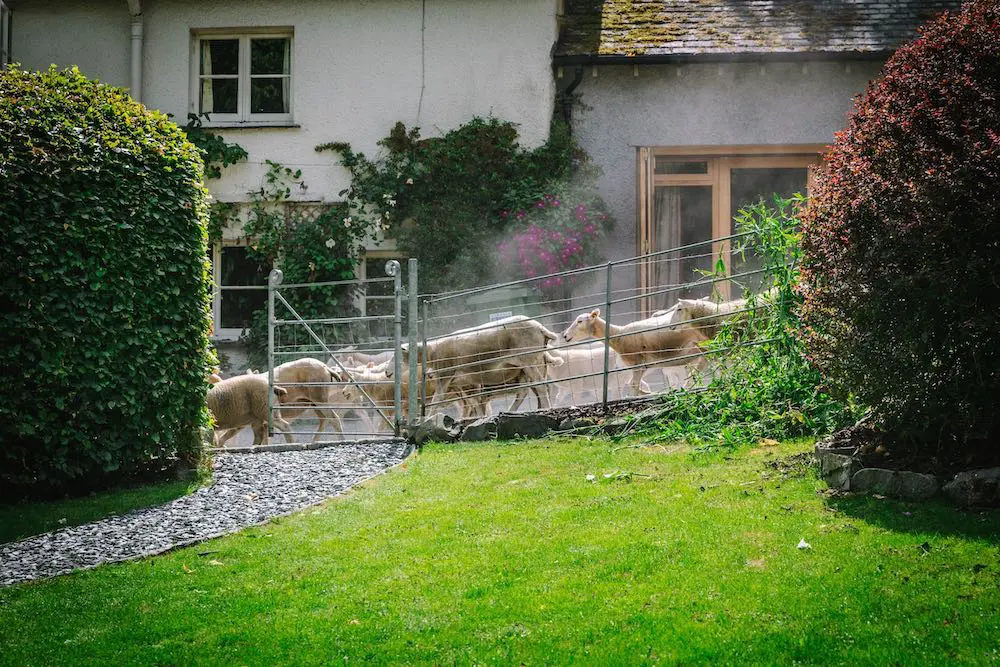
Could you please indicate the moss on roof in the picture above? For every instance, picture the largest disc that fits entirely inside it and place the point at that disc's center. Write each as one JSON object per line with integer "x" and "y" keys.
{"x": 691, "y": 27}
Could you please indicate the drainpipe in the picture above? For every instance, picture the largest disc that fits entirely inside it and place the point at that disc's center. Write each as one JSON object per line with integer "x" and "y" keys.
{"x": 566, "y": 97}
{"x": 135, "y": 79}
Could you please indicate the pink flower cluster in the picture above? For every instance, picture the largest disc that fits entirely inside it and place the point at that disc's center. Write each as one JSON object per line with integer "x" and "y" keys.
{"x": 557, "y": 238}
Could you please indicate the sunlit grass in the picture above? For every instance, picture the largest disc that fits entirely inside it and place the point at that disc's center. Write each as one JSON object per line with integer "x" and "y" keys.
{"x": 507, "y": 553}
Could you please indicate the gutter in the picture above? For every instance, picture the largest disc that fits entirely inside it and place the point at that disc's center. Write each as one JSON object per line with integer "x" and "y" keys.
{"x": 694, "y": 58}
{"x": 135, "y": 75}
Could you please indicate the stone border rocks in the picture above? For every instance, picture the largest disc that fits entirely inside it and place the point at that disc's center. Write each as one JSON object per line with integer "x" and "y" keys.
{"x": 842, "y": 469}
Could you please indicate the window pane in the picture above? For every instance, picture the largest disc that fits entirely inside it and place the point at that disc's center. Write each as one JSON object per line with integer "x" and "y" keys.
{"x": 375, "y": 268}
{"x": 749, "y": 186}
{"x": 670, "y": 166}
{"x": 682, "y": 215}
{"x": 219, "y": 96}
{"x": 220, "y": 56}
{"x": 269, "y": 95}
{"x": 238, "y": 305}
{"x": 270, "y": 56}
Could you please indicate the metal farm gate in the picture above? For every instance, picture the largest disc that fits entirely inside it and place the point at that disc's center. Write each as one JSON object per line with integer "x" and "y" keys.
{"x": 366, "y": 388}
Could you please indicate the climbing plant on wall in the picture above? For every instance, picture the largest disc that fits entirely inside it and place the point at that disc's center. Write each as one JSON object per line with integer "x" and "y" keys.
{"x": 449, "y": 200}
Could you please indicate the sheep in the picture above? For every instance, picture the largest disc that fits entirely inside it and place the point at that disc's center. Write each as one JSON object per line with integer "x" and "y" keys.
{"x": 316, "y": 396}
{"x": 242, "y": 401}
{"x": 642, "y": 342}
{"x": 475, "y": 391}
{"x": 587, "y": 361}
{"x": 479, "y": 356}
{"x": 382, "y": 392}
{"x": 709, "y": 316}
{"x": 706, "y": 315}
{"x": 352, "y": 358}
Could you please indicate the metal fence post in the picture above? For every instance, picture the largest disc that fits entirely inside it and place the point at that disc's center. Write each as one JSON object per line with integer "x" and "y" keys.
{"x": 273, "y": 280}
{"x": 412, "y": 314}
{"x": 423, "y": 375}
{"x": 607, "y": 336}
{"x": 393, "y": 269}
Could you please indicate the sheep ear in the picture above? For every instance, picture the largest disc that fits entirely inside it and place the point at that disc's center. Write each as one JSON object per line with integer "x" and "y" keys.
{"x": 349, "y": 361}
{"x": 280, "y": 391}
{"x": 371, "y": 364}
{"x": 595, "y": 313}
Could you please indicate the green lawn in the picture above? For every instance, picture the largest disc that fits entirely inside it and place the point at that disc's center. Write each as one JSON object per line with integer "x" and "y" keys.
{"x": 26, "y": 519}
{"x": 507, "y": 554}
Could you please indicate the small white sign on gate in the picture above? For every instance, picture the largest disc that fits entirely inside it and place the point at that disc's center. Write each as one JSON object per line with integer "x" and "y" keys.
{"x": 501, "y": 315}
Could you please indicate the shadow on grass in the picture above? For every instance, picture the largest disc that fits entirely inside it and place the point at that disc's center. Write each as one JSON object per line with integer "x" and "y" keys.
{"x": 24, "y": 519}
{"x": 930, "y": 517}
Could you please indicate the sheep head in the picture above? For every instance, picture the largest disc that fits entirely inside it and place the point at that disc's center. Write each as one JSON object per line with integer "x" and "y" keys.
{"x": 584, "y": 326}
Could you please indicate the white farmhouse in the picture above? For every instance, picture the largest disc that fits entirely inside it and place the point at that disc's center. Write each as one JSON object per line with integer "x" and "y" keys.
{"x": 691, "y": 107}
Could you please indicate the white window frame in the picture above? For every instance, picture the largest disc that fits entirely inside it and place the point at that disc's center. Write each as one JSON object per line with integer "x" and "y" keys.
{"x": 231, "y": 333}
{"x": 243, "y": 116}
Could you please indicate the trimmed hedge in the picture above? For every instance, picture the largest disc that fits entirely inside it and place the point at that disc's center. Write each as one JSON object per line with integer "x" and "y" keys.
{"x": 902, "y": 241}
{"x": 105, "y": 299}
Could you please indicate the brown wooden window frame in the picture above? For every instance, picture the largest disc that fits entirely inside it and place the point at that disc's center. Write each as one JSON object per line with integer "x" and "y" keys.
{"x": 721, "y": 160}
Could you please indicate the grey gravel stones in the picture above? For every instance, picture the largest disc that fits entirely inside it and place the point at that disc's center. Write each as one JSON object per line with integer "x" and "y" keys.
{"x": 248, "y": 489}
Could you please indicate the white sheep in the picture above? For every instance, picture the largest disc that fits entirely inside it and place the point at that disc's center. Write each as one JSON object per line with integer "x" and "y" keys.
{"x": 382, "y": 392}
{"x": 479, "y": 356}
{"x": 582, "y": 372}
{"x": 475, "y": 391}
{"x": 642, "y": 343}
{"x": 242, "y": 401}
{"x": 318, "y": 395}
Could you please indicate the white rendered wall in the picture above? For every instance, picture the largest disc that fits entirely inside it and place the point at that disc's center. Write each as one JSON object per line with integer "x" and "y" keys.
{"x": 357, "y": 71}
{"x": 357, "y": 64}
{"x": 92, "y": 35}
{"x": 710, "y": 104}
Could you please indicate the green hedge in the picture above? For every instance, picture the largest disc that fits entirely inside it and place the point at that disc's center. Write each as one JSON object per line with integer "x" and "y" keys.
{"x": 105, "y": 300}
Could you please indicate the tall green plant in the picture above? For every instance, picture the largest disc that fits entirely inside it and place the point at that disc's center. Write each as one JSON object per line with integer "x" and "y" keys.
{"x": 763, "y": 387}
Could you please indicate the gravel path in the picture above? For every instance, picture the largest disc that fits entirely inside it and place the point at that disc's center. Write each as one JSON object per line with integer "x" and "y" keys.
{"x": 248, "y": 489}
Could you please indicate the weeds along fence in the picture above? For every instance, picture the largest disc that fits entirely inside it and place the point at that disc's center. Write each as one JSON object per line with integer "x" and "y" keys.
{"x": 377, "y": 388}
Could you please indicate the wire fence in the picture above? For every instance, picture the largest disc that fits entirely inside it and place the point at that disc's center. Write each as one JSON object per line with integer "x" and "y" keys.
{"x": 627, "y": 329}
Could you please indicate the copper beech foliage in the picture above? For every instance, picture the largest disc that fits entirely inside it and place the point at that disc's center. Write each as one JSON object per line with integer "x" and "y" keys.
{"x": 901, "y": 242}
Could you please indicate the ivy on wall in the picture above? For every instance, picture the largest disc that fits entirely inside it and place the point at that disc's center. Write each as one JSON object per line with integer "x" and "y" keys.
{"x": 450, "y": 200}
{"x": 456, "y": 202}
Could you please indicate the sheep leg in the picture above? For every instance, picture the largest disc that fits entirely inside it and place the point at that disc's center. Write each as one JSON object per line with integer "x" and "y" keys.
{"x": 228, "y": 434}
{"x": 328, "y": 414}
{"x": 519, "y": 398}
{"x": 637, "y": 383}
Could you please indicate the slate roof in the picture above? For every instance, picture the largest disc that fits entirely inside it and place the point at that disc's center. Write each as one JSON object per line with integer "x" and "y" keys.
{"x": 616, "y": 30}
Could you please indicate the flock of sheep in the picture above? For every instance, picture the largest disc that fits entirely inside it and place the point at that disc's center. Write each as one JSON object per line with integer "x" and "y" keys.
{"x": 467, "y": 369}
